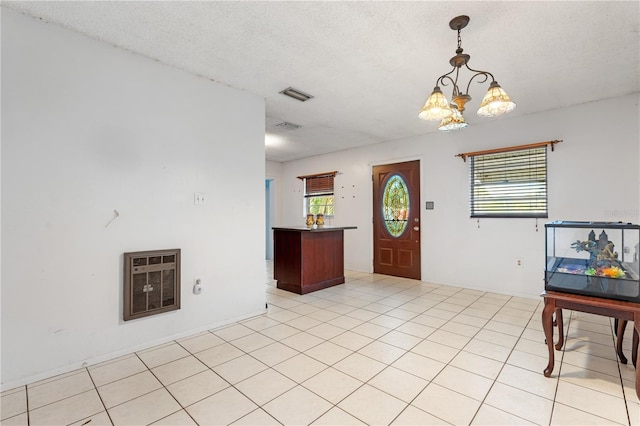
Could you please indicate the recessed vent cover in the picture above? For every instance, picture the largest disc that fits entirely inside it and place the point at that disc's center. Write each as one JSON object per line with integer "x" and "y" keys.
{"x": 296, "y": 94}
{"x": 151, "y": 282}
{"x": 288, "y": 126}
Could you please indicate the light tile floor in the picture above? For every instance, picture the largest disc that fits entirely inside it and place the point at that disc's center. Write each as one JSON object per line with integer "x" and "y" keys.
{"x": 376, "y": 350}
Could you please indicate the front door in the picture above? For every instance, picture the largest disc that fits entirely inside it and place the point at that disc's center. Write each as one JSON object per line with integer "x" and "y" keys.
{"x": 396, "y": 219}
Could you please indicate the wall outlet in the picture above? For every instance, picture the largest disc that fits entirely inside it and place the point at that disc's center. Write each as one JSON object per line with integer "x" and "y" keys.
{"x": 518, "y": 263}
{"x": 197, "y": 286}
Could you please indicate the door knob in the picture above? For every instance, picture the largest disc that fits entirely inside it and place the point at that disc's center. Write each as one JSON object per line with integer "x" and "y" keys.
{"x": 416, "y": 228}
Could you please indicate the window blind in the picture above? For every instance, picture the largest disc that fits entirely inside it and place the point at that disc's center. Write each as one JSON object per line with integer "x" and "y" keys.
{"x": 509, "y": 184}
{"x": 319, "y": 185}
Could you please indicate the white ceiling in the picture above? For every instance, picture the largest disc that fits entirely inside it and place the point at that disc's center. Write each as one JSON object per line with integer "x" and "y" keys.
{"x": 371, "y": 65}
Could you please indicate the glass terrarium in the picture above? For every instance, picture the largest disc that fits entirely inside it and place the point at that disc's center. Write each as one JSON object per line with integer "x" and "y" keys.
{"x": 593, "y": 258}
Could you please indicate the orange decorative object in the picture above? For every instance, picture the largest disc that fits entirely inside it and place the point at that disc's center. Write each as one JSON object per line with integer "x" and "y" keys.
{"x": 310, "y": 220}
{"x": 612, "y": 272}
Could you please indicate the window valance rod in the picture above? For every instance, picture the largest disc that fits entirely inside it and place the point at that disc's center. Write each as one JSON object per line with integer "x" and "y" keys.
{"x": 325, "y": 174}
{"x": 464, "y": 155}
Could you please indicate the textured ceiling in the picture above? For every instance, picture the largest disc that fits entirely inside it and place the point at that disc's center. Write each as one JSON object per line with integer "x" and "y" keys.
{"x": 371, "y": 65}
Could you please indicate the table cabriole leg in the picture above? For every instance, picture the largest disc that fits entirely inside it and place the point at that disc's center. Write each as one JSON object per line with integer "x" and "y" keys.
{"x": 634, "y": 349}
{"x": 547, "y": 326}
{"x": 559, "y": 321}
{"x": 622, "y": 324}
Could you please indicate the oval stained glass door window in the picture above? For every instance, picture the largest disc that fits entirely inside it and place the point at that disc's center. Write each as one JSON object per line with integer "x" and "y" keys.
{"x": 395, "y": 205}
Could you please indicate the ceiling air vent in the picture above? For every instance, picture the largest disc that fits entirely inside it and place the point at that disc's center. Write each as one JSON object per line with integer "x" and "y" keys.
{"x": 288, "y": 126}
{"x": 296, "y": 94}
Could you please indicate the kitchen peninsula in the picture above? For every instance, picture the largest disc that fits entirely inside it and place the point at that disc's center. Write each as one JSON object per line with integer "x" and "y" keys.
{"x": 308, "y": 259}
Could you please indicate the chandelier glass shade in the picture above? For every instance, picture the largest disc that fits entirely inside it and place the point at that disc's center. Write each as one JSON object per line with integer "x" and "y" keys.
{"x": 496, "y": 102}
{"x": 454, "y": 122}
{"x": 437, "y": 108}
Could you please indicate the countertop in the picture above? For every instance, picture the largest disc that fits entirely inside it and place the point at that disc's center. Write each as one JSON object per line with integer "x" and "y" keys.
{"x": 323, "y": 228}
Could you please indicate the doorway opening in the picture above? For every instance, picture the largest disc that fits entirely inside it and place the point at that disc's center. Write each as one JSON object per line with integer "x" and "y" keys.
{"x": 269, "y": 215}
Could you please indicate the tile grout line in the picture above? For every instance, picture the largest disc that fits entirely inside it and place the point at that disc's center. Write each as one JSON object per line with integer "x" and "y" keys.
{"x": 26, "y": 395}
{"x": 49, "y": 381}
{"x": 519, "y": 337}
{"x": 99, "y": 396}
{"x": 533, "y": 313}
{"x": 586, "y": 387}
{"x": 397, "y": 299}
{"x": 164, "y": 387}
{"x": 446, "y": 365}
{"x": 618, "y": 362}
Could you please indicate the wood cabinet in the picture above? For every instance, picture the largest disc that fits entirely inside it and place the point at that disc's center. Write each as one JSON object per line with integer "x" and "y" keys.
{"x": 307, "y": 260}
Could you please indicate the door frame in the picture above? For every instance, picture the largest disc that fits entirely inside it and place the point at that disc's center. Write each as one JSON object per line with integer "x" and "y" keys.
{"x": 370, "y": 200}
{"x": 270, "y": 215}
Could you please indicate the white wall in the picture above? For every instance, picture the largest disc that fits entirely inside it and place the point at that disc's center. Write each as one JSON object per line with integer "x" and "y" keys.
{"x": 89, "y": 129}
{"x": 593, "y": 175}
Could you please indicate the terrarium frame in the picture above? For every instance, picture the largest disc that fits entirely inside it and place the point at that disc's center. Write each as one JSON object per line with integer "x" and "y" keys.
{"x": 593, "y": 258}
{"x": 151, "y": 283}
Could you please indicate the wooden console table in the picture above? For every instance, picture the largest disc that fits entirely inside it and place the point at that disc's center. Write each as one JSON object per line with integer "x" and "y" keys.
{"x": 307, "y": 259}
{"x": 555, "y": 301}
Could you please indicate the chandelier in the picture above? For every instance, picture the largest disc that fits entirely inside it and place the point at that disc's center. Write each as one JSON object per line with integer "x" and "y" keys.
{"x": 495, "y": 102}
